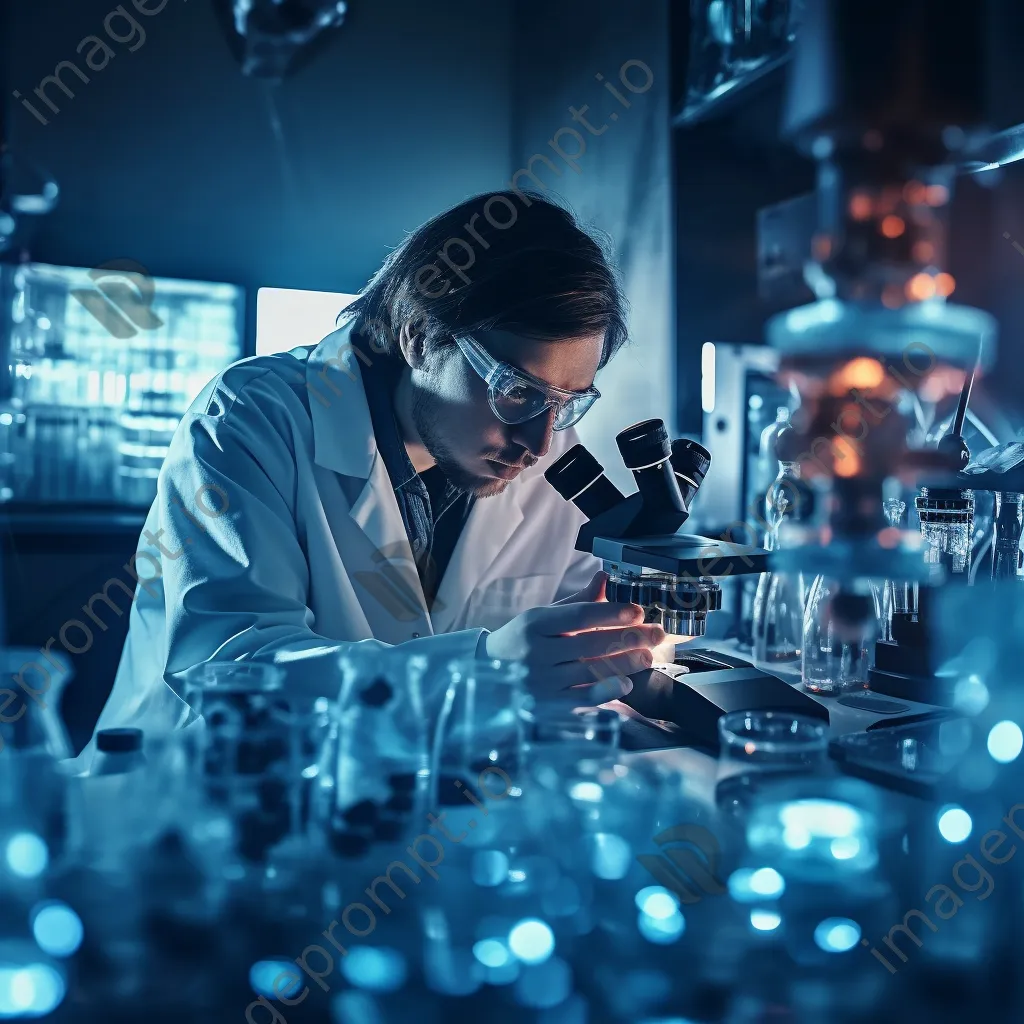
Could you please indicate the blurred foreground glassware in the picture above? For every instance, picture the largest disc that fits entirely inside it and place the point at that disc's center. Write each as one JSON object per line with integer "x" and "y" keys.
{"x": 839, "y": 633}
{"x": 947, "y": 518}
{"x": 896, "y": 595}
{"x": 374, "y": 770}
{"x": 34, "y": 722}
{"x": 250, "y": 759}
{"x": 483, "y": 724}
{"x": 773, "y": 739}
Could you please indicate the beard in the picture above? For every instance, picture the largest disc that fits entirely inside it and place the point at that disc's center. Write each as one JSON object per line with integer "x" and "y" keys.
{"x": 425, "y": 420}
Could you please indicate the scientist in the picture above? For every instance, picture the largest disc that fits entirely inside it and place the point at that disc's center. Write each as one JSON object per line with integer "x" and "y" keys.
{"x": 386, "y": 485}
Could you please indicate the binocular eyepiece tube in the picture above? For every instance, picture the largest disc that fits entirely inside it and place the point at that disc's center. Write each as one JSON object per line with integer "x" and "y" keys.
{"x": 579, "y": 477}
{"x": 647, "y": 451}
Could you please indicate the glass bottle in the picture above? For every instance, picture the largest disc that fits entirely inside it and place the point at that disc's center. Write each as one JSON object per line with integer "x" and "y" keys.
{"x": 779, "y": 600}
{"x": 1007, "y": 525}
{"x": 896, "y": 595}
{"x": 839, "y": 632}
{"x": 947, "y": 518}
{"x": 374, "y": 771}
{"x": 768, "y": 457}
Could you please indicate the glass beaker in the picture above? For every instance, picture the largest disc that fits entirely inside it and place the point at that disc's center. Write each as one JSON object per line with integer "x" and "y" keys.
{"x": 374, "y": 771}
{"x": 482, "y": 726}
{"x": 249, "y": 760}
{"x": 839, "y": 633}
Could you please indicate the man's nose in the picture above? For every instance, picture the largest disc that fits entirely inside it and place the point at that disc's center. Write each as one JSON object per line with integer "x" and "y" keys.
{"x": 535, "y": 434}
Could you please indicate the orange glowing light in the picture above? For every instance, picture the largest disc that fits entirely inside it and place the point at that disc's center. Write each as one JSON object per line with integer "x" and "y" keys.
{"x": 847, "y": 461}
{"x": 862, "y": 373}
{"x": 889, "y": 537}
{"x": 893, "y": 226}
{"x": 914, "y": 193}
{"x": 892, "y": 296}
{"x": 821, "y": 246}
{"x": 920, "y": 287}
{"x": 860, "y": 206}
{"x": 749, "y": 747}
{"x": 944, "y": 284}
{"x": 936, "y": 195}
{"x": 923, "y": 252}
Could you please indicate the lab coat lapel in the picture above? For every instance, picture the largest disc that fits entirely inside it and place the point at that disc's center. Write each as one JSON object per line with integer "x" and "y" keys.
{"x": 373, "y": 543}
{"x": 488, "y": 529}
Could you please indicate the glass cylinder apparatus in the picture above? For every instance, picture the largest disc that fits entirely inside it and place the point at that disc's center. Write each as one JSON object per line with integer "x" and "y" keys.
{"x": 1008, "y": 522}
{"x": 947, "y": 519}
{"x": 897, "y": 595}
{"x": 249, "y": 751}
{"x": 375, "y": 766}
{"x": 483, "y": 725}
{"x": 774, "y": 739}
{"x": 840, "y": 629}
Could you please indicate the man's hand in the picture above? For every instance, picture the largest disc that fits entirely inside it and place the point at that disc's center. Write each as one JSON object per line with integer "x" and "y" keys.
{"x": 581, "y": 649}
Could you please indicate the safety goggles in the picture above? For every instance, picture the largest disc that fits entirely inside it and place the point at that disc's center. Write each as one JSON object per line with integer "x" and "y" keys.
{"x": 515, "y": 396}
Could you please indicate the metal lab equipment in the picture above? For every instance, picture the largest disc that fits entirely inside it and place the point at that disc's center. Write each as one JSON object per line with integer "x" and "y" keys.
{"x": 103, "y": 364}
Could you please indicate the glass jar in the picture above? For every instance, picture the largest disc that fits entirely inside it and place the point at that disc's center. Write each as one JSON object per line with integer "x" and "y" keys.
{"x": 249, "y": 751}
{"x": 839, "y": 632}
{"x": 947, "y": 518}
{"x": 374, "y": 770}
{"x": 483, "y": 725}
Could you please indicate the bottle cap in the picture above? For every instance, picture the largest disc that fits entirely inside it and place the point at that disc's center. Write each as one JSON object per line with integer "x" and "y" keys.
{"x": 119, "y": 741}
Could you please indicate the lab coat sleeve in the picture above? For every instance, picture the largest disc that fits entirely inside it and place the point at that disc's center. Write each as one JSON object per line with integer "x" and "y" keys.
{"x": 236, "y": 579}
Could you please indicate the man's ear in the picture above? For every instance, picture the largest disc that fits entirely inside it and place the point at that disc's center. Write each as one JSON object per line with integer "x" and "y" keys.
{"x": 412, "y": 343}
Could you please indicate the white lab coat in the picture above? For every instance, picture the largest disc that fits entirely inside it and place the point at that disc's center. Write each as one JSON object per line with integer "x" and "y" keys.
{"x": 276, "y": 537}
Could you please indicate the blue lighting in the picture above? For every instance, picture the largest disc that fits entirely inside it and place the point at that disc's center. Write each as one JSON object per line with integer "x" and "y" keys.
{"x": 837, "y": 934}
{"x": 542, "y": 986}
{"x": 954, "y": 824}
{"x": 661, "y": 930}
{"x": 845, "y": 848}
{"x": 588, "y": 792}
{"x": 489, "y": 868}
{"x": 532, "y": 941}
{"x": 376, "y": 969}
{"x": 656, "y": 901}
{"x": 27, "y": 855}
{"x": 804, "y": 820}
{"x": 491, "y": 952}
{"x": 57, "y": 929}
{"x": 264, "y": 973}
{"x": 610, "y": 856}
{"x": 31, "y": 991}
{"x": 1005, "y": 742}
{"x": 767, "y": 882}
{"x": 765, "y": 920}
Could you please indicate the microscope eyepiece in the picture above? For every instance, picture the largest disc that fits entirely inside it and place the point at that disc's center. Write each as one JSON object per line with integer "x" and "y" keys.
{"x": 690, "y": 463}
{"x": 647, "y": 451}
{"x": 579, "y": 477}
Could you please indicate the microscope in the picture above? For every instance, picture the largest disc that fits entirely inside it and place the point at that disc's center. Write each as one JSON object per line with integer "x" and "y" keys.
{"x": 674, "y": 577}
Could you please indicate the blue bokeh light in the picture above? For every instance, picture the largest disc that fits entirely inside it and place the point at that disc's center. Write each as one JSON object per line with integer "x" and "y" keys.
{"x": 767, "y": 882}
{"x": 264, "y": 973}
{"x": 837, "y": 934}
{"x": 954, "y": 824}
{"x": 56, "y": 928}
{"x": 542, "y": 986}
{"x": 1005, "y": 742}
{"x": 532, "y": 941}
{"x": 765, "y": 920}
{"x": 656, "y": 901}
{"x": 34, "y": 990}
{"x": 610, "y": 856}
{"x": 27, "y": 855}
{"x": 375, "y": 968}
{"x": 661, "y": 930}
{"x": 489, "y": 868}
{"x": 492, "y": 952}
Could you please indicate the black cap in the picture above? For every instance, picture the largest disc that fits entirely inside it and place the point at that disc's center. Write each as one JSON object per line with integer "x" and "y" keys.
{"x": 572, "y": 472}
{"x": 690, "y": 459}
{"x": 119, "y": 741}
{"x": 644, "y": 444}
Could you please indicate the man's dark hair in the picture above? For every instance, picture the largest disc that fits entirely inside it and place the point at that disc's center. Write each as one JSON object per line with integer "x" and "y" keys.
{"x": 491, "y": 263}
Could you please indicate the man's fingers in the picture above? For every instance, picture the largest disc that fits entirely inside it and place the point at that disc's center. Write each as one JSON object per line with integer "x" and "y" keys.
{"x": 562, "y": 619}
{"x": 615, "y": 664}
{"x": 598, "y": 643}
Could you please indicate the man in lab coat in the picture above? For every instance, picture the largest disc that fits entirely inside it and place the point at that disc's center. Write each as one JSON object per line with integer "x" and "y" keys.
{"x": 386, "y": 486}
